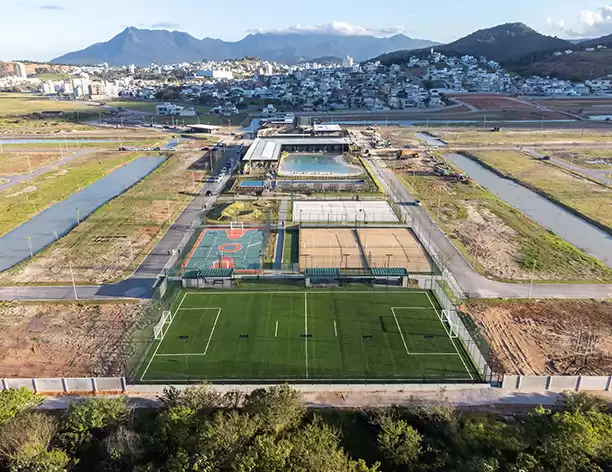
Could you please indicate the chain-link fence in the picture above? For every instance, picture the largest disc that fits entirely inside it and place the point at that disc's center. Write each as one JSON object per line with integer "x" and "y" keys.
{"x": 449, "y": 296}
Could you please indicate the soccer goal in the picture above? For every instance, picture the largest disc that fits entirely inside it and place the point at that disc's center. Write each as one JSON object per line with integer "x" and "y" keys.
{"x": 452, "y": 326}
{"x": 160, "y": 329}
{"x": 237, "y": 225}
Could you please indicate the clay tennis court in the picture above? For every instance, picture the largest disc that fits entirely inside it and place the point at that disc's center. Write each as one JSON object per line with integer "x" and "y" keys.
{"x": 329, "y": 248}
{"x": 362, "y": 248}
{"x": 388, "y": 247}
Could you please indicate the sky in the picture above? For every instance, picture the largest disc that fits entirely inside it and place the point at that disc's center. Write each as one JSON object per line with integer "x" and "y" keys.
{"x": 44, "y": 29}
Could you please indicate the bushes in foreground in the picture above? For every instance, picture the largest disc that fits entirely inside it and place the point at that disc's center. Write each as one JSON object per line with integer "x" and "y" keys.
{"x": 270, "y": 430}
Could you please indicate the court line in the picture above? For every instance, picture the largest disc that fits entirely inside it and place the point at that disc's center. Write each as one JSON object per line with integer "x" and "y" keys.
{"x": 212, "y": 331}
{"x": 317, "y": 381}
{"x": 297, "y": 292}
{"x": 335, "y": 329}
{"x": 449, "y": 337}
{"x": 162, "y": 339}
{"x": 276, "y": 330}
{"x": 400, "y": 330}
{"x": 306, "y": 329}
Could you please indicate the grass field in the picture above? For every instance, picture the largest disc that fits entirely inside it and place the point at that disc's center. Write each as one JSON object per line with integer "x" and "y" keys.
{"x": 466, "y": 137}
{"x": 499, "y": 240}
{"x": 586, "y": 196}
{"x": 14, "y": 163}
{"x": 590, "y": 158}
{"x": 306, "y": 336}
{"x": 23, "y": 104}
{"x": 291, "y": 249}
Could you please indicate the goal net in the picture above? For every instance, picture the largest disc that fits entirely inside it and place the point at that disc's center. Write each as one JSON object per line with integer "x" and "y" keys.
{"x": 160, "y": 329}
{"x": 452, "y": 326}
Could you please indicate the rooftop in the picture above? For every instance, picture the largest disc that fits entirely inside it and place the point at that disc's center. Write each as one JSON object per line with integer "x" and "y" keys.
{"x": 326, "y": 128}
{"x": 269, "y": 149}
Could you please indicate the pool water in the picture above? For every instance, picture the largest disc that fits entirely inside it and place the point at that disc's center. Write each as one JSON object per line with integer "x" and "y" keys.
{"x": 317, "y": 164}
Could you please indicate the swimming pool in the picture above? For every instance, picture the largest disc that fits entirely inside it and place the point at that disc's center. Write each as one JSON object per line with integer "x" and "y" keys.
{"x": 318, "y": 164}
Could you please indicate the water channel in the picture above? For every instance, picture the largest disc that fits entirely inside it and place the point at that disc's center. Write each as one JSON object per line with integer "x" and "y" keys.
{"x": 56, "y": 221}
{"x": 572, "y": 228}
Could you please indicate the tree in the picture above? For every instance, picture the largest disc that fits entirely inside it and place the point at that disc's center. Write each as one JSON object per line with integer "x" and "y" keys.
{"x": 278, "y": 408}
{"x": 15, "y": 401}
{"x": 399, "y": 442}
{"x": 124, "y": 447}
{"x": 83, "y": 419}
{"x": 25, "y": 444}
{"x": 316, "y": 446}
{"x": 200, "y": 398}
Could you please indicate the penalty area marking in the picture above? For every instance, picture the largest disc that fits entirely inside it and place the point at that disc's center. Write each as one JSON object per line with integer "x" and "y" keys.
{"x": 400, "y": 331}
{"x": 162, "y": 338}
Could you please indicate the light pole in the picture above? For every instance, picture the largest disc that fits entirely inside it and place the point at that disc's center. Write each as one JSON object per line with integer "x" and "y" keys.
{"x": 77, "y": 217}
{"x": 30, "y": 246}
{"x": 184, "y": 339}
{"x": 76, "y": 297}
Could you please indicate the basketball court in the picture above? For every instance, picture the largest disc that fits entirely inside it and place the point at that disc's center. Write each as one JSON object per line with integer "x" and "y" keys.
{"x": 228, "y": 248}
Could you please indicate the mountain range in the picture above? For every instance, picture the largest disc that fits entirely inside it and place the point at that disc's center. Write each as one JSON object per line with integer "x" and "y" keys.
{"x": 144, "y": 47}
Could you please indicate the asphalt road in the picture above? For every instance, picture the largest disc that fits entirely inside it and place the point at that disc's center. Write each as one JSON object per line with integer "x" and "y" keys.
{"x": 471, "y": 282}
{"x": 140, "y": 284}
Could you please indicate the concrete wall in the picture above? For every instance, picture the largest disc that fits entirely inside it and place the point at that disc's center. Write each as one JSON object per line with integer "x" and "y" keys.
{"x": 67, "y": 385}
{"x": 557, "y": 383}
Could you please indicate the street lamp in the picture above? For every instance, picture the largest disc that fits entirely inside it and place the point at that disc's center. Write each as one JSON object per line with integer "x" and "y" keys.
{"x": 184, "y": 339}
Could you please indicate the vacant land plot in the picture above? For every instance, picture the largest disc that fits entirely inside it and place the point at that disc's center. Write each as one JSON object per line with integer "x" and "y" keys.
{"x": 315, "y": 336}
{"x": 590, "y": 158}
{"x": 546, "y": 337}
{"x": 22, "y": 104}
{"x": 14, "y": 163}
{"x": 64, "y": 339}
{"x": 110, "y": 244}
{"x": 494, "y": 102}
{"x": 500, "y": 241}
{"x": 533, "y": 137}
{"x": 83, "y": 143}
{"x": 21, "y": 202}
{"x": 586, "y": 196}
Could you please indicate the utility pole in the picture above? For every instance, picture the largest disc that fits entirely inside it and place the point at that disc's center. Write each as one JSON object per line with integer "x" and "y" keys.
{"x": 77, "y": 217}
{"x": 76, "y": 297}
{"x": 532, "y": 276}
{"x": 30, "y": 246}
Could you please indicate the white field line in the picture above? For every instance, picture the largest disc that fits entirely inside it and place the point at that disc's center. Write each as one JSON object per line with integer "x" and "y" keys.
{"x": 161, "y": 340}
{"x": 212, "y": 331}
{"x": 449, "y": 337}
{"x": 306, "y": 329}
{"x": 237, "y": 292}
{"x": 335, "y": 329}
{"x": 400, "y": 331}
{"x": 342, "y": 382}
{"x": 276, "y": 330}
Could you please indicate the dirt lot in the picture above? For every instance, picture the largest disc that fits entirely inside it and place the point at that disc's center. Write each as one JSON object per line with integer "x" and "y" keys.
{"x": 547, "y": 337}
{"x": 493, "y": 102}
{"x": 63, "y": 339}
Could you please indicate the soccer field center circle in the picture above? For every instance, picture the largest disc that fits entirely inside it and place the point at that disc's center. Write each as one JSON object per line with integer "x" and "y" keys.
{"x": 240, "y": 249}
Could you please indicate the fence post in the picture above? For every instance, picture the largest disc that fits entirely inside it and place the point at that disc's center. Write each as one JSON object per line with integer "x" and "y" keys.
{"x": 4, "y": 384}
{"x": 607, "y": 389}
{"x": 94, "y": 386}
{"x": 34, "y": 386}
{"x": 65, "y": 385}
{"x": 123, "y": 385}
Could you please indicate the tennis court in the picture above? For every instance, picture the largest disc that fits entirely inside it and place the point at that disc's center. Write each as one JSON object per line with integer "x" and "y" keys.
{"x": 227, "y": 248}
{"x": 336, "y": 336}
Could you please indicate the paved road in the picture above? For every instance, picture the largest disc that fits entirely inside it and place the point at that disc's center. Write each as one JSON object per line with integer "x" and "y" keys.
{"x": 472, "y": 283}
{"x": 140, "y": 284}
{"x": 603, "y": 176}
{"x": 17, "y": 179}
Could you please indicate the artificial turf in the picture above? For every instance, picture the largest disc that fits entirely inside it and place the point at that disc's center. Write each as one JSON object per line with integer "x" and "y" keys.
{"x": 315, "y": 336}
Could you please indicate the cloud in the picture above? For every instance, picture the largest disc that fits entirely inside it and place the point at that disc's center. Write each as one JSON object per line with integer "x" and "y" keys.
{"x": 588, "y": 24}
{"x": 51, "y": 7}
{"x": 165, "y": 25}
{"x": 336, "y": 28}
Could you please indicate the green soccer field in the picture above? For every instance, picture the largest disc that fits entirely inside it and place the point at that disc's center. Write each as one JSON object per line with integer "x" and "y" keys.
{"x": 306, "y": 336}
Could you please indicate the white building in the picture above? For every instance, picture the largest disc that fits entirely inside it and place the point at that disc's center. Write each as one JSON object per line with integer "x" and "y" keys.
{"x": 214, "y": 74}
{"x": 19, "y": 70}
{"x": 132, "y": 69}
{"x": 348, "y": 61}
{"x": 168, "y": 109}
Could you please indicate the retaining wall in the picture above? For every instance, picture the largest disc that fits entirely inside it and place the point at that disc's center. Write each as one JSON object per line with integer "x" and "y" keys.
{"x": 68, "y": 385}
{"x": 558, "y": 383}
